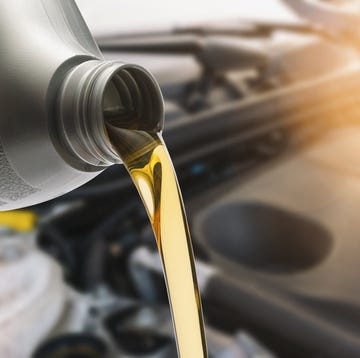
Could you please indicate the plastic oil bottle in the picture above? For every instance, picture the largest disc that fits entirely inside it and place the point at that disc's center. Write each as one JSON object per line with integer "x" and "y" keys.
{"x": 67, "y": 114}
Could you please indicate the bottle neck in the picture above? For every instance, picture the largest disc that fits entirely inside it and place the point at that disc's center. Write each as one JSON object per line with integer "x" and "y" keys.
{"x": 98, "y": 91}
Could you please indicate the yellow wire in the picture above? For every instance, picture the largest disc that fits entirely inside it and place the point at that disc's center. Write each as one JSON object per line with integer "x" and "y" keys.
{"x": 18, "y": 220}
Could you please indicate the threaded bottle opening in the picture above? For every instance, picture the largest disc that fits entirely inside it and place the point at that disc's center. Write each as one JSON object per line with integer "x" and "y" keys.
{"x": 96, "y": 92}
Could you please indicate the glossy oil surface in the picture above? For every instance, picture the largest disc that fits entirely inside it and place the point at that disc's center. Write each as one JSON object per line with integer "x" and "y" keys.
{"x": 149, "y": 164}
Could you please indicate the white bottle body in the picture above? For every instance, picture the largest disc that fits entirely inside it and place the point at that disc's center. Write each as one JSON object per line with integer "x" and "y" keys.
{"x": 41, "y": 41}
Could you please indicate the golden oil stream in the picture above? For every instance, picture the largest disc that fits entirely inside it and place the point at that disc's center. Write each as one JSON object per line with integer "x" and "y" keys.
{"x": 149, "y": 164}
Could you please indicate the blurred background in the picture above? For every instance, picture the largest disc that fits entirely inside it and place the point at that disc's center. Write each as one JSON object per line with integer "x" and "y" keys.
{"x": 263, "y": 124}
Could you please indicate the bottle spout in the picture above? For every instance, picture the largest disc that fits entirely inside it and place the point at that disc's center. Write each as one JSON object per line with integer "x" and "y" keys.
{"x": 100, "y": 93}
{"x": 132, "y": 100}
